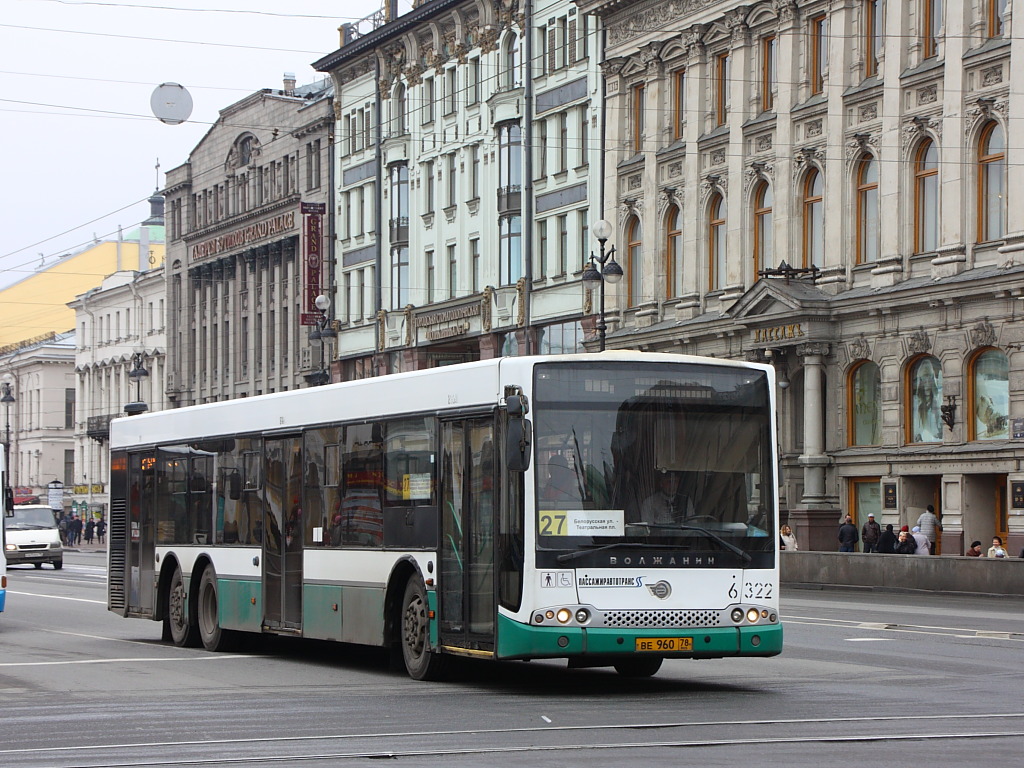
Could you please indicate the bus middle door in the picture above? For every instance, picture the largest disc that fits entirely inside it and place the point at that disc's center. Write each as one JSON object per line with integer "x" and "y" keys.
{"x": 282, "y": 534}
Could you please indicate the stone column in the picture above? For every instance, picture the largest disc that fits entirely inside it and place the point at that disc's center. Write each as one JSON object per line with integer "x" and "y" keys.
{"x": 813, "y": 458}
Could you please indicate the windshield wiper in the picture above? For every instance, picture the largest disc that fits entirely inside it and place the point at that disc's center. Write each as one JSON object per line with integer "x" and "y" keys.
{"x": 710, "y": 534}
{"x": 567, "y": 556}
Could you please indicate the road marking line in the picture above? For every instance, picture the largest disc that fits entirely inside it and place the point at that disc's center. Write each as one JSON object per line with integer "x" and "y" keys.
{"x": 58, "y": 597}
{"x": 868, "y": 639}
{"x": 120, "y": 661}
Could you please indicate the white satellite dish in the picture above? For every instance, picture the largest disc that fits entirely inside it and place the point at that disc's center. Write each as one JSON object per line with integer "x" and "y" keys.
{"x": 171, "y": 103}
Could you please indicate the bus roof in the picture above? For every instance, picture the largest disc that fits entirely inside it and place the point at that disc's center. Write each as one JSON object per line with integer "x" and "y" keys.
{"x": 465, "y": 385}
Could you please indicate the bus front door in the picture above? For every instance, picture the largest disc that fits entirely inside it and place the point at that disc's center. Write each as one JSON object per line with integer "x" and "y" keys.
{"x": 468, "y": 494}
{"x": 142, "y": 533}
{"x": 282, "y": 534}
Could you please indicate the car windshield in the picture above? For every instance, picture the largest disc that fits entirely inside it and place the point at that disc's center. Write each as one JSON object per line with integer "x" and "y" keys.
{"x": 674, "y": 456}
{"x": 31, "y": 517}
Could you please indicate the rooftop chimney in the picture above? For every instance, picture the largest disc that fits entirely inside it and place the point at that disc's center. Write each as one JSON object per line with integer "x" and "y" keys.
{"x": 289, "y": 83}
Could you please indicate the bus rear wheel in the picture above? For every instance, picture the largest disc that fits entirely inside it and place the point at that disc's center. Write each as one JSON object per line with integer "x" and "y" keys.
{"x": 182, "y": 628}
{"x": 214, "y": 638}
{"x": 642, "y": 667}
{"x": 420, "y": 662}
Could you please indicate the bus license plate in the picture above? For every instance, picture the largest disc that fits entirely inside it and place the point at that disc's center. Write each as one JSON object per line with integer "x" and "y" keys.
{"x": 664, "y": 644}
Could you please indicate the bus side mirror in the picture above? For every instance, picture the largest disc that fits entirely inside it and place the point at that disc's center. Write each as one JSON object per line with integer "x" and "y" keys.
{"x": 518, "y": 445}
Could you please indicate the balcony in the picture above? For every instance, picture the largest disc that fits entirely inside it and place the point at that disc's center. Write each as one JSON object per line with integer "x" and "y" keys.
{"x": 98, "y": 427}
{"x": 510, "y": 199}
{"x": 398, "y": 230}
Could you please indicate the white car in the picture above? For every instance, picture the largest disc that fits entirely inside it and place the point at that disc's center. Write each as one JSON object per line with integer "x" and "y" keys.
{"x": 32, "y": 537}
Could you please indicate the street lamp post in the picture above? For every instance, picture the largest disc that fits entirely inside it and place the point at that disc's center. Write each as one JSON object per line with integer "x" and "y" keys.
{"x": 322, "y": 331}
{"x": 137, "y": 374}
{"x": 8, "y": 400}
{"x": 610, "y": 272}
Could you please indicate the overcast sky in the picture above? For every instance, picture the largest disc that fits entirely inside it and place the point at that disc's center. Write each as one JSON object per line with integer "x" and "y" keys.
{"x": 76, "y": 76}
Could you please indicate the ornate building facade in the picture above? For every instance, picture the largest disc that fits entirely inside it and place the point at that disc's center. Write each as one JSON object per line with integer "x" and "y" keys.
{"x": 245, "y": 221}
{"x": 829, "y": 186}
{"x": 467, "y": 154}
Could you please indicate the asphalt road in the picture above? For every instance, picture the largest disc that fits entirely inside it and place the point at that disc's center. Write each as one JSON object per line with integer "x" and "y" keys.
{"x": 865, "y": 679}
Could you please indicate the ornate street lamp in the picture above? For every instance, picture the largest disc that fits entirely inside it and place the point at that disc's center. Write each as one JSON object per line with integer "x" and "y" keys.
{"x": 8, "y": 400}
{"x": 322, "y": 331}
{"x": 610, "y": 272}
{"x": 137, "y": 374}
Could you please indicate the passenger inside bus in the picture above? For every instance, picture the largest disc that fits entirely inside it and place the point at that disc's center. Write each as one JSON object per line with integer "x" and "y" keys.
{"x": 562, "y": 484}
{"x": 668, "y": 505}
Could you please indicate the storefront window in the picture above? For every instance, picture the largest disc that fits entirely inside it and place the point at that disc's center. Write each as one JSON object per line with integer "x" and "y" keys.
{"x": 865, "y": 405}
{"x": 925, "y": 397}
{"x": 990, "y": 399}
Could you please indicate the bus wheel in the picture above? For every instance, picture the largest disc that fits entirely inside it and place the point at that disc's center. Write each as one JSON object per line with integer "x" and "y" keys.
{"x": 642, "y": 667}
{"x": 182, "y": 629}
{"x": 214, "y": 638}
{"x": 420, "y": 662}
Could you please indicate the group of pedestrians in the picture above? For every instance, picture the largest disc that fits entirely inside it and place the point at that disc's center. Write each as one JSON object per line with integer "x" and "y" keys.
{"x": 73, "y": 531}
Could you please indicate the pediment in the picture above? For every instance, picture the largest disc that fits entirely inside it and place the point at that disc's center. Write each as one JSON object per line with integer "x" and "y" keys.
{"x": 772, "y": 297}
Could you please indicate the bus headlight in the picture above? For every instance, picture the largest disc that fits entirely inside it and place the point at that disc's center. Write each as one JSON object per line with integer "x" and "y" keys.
{"x": 752, "y": 615}
{"x": 582, "y": 616}
{"x": 563, "y": 616}
{"x": 737, "y": 615}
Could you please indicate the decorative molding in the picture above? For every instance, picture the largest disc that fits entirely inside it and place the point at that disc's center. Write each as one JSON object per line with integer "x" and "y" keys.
{"x": 919, "y": 342}
{"x": 983, "y": 334}
{"x": 992, "y": 76}
{"x": 808, "y": 157}
{"x": 868, "y": 112}
{"x": 929, "y": 94}
{"x": 758, "y": 171}
{"x": 859, "y": 349}
{"x": 485, "y": 308}
{"x": 813, "y": 348}
{"x": 763, "y": 143}
{"x": 813, "y": 128}
{"x": 652, "y": 18}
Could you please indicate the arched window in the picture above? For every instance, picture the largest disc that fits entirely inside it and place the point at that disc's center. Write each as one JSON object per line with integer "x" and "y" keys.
{"x": 926, "y": 197}
{"x": 867, "y": 210}
{"x": 924, "y": 396}
{"x": 991, "y": 183}
{"x": 763, "y": 252}
{"x": 718, "y": 211}
{"x": 398, "y": 124}
{"x": 988, "y": 394}
{"x": 513, "y": 62}
{"x": 865, "y": 404}
{"x": 673, "y": 253}
{"x": 814, "y": 219}
{"x": 634, "y": 261}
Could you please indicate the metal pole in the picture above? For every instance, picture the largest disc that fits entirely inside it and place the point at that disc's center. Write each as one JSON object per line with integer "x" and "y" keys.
{"x": 601, "y": 326}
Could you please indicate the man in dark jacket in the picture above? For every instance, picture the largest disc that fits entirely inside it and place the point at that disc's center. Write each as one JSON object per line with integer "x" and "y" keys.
{"x": 887, "y": 541}
{"x": 848, "y": 536}
{"x": 870, "y": 534}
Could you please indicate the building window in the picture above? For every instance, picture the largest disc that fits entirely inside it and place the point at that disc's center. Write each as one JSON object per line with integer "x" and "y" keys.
{"x": 513, "y": 76}
{"x": 400, "y": 201}
{"x": 399, "y": 277}
{"x": 583, "y": 228}
{"x": 452, "y": 178}
{"x": 510, "y": 160}
{"x": 428, "y": 101}
{"x": 867, "y": 210}
{"x": 924, "y": 394}
{"x": 673, "y": 253}
{"x": 717, "y": 214}
{"x": 988, "y": 396}
{"x": 769, "y": 76}
{"x": 639, "y": 104}
{"x": 926, "y": 197}
{"x": 865, "y": 498}
{"x": 678, "y": 103}
{"x": 723, "y": 64}
{"x": 450, "y": 89}
{"x": 763, "y": 202}
{"x": 584, "y": 134}
{"x": 865, "y": 405}
{"x": 814, "y": 219}
{"x": 428, "y": 187}
{"x": 431, "y": 275}
{"x": 996, "y": 9}
{"x": 561, "y": 339}
{"x": 819, "y": 52}
{"x": 991, "y": 183}
{"x": 453, "y": 272}
{"x": 473, "y": 86}
{"x": 634, "y": 261}
{"x": 510, "y": 233}
{"x": 563, "y": 243}
{"x": 931, "y": 23}
{"x": 541, "y": 170}
{"x": 872, "y": 36}
{"x": 541, "y": 262}
{"x": 474, "y": 176}
{"x": 563, "y": 142}
{"x": 398, "y": 105}
{"x": 474, "y": 258}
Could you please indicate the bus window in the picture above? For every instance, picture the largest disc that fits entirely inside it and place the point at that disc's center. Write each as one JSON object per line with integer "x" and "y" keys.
{"x": 360, "y": 494}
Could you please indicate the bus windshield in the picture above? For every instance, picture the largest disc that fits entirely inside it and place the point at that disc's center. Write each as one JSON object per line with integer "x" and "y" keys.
{"x": 663, "y": 456}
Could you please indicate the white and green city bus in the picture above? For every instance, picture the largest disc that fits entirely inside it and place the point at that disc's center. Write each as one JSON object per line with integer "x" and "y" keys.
{"x": 613, "y": 509}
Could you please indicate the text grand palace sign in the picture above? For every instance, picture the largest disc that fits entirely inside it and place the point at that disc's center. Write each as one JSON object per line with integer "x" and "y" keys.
{"x": 253, "y": 233}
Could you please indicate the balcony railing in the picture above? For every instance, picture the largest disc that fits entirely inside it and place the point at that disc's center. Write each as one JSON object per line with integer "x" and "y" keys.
{"x": 98, "y": 427}
{"x": 399, "y": 230}
{"x": 510, "y": 199}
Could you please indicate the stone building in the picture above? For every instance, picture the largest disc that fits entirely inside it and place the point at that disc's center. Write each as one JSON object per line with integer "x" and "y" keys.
{"x": 825, "y": 185}
{"x": 467, "y": 154}
{"x": 245, "y": 227}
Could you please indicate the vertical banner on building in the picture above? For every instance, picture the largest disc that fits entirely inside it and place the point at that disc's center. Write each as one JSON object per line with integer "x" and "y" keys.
{"x": 312, "y": 215}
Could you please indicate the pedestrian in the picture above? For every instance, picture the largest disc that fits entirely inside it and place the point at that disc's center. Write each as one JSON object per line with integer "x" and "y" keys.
{"x": 788, "y": 539}
{"x": 89, "y": 528}
{"x": 848, "y": 536}
{"x": 905, "y": 544}
{"x": 101, "y": 529}
{"x": 870, "y": 534}
{"x": 887, "y": 541}
{"x": 923, "y": 544}
{"x": 78, "y": 530}
{"x": 997, "y": 549}
{"x": 62, "y": 527}
{"x": 975, "y": 549}
{"x": 929, "y": 525}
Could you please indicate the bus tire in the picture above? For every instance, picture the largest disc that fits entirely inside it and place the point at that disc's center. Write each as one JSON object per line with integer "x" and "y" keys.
{"x": 183, "y": 630}
{"x": 420, "y": 662}
{"x": 641, "y": 667}
{"x": 213, "y": 637}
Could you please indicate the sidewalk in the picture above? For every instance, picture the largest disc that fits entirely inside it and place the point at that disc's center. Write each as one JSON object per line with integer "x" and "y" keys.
{"x": 83, "y": 547}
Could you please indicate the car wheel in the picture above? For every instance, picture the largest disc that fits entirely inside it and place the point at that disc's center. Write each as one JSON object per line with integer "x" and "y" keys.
{"x": 58, "y": 564}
